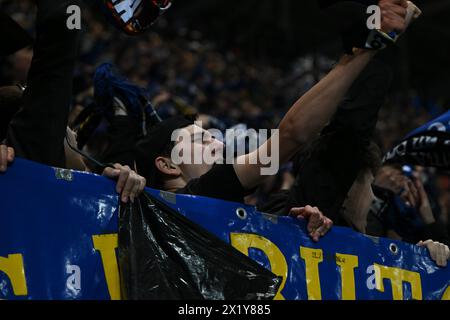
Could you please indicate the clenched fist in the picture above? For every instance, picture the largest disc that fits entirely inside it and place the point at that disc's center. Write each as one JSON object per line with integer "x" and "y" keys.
{"x": 396, "y": 15}
{"x": 129, "y": 184}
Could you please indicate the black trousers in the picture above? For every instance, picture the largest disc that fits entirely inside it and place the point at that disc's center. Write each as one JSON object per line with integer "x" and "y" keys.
{"x": 329, "y": 171}
{"x": 325, "y": 174}
{"x": 37, "y": 131}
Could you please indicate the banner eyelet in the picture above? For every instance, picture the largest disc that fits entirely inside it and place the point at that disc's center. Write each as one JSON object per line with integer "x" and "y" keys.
{"x": 393, "y": 248}
{"x": 241, "y": 213}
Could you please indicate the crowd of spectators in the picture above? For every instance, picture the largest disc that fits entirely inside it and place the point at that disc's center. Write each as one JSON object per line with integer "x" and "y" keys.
{"x": 182, "y": 70}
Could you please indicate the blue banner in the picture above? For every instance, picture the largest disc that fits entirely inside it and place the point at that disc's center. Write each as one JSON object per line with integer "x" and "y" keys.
{"x": 58, "y": 240}
{"x": 441, "y": 124}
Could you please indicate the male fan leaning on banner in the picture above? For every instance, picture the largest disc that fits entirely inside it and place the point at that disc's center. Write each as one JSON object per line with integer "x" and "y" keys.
{"x": 302, "y": 124}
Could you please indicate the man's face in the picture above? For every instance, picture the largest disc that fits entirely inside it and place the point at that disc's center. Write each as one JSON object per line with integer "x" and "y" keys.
{"x": 200, "y": 151}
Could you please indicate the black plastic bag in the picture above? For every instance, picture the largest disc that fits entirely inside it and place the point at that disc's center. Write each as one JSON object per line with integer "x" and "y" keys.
{"x": 164, "y": 256}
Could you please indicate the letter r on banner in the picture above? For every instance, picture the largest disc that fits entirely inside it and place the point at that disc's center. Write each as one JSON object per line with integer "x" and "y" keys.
{"x": 278, "y": 264}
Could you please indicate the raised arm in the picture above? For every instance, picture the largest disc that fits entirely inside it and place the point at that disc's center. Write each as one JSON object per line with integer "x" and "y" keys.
{"x": 306, "y": 118}
{"x": 37, "y": 130}
{"x": 309, "y": 115}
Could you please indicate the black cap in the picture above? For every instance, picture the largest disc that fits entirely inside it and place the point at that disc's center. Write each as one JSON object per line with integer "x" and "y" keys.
{"x": 154, "y": 144}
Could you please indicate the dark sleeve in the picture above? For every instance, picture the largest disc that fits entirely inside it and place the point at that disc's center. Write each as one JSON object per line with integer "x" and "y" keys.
{"x": 436, "y": 232}
{"x": 358, "y": 112}
{"x": 122, "y": 136}
{"x": 221, "y": 182}
{"x": 328, "y": 172}
{"x": 12, "y": 36}
{"x": 37, "y": 131}
{"x": 275, "y": 204}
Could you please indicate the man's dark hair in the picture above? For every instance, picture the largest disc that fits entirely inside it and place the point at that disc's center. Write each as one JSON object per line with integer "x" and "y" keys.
{"x": 10, "y": 103}
{"x": 157, "y": 143}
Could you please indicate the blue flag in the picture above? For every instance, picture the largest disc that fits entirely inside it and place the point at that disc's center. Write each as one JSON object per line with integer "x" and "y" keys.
{"x": 427, "y": 146}
{"x": 58, "y": 240}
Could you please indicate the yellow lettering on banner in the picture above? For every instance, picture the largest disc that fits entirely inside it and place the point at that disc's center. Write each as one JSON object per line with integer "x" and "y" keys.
{"x": 15, "y": 271}
{"x": 312, "y": 259}
{"x": 446, "y": 295}
{"x": 397, "y": 277}
{"x": 347, "y": 264}
{"x": 106, "y": 245}
{"x": 244, "y": 241}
